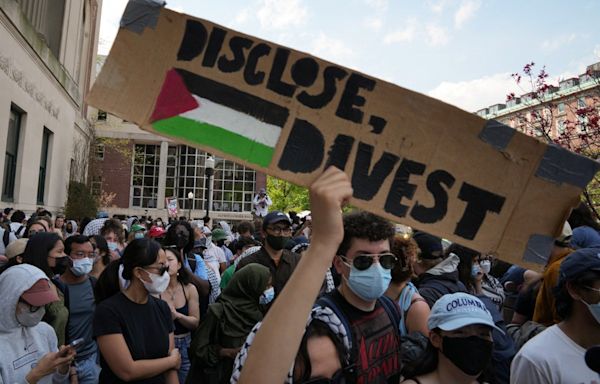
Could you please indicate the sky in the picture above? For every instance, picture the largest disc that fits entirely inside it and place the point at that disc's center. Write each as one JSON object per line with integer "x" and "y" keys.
{"x": 459, "y": 51}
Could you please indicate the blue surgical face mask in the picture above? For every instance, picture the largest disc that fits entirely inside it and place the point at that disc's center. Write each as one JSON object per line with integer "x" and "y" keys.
{"x": 594, "y": 310}
{"x": 82, "y": 266}
{"x": 112, "y": 246}
{"x": 267, "y": 296}
{"x": 138, "y": 235}
{"x": 371, "y": 283}
{"x": 475, "y": 270}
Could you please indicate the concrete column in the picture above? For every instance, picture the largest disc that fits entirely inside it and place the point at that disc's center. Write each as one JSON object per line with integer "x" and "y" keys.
{"x": 162, "y": 174}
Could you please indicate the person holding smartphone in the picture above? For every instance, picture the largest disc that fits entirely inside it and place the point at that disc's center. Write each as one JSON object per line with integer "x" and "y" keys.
{"x": 28, "y": 345}
{"x": 134, "y": 328}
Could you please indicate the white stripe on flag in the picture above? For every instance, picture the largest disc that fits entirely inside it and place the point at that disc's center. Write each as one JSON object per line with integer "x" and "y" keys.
{"x": 234, "y": 121}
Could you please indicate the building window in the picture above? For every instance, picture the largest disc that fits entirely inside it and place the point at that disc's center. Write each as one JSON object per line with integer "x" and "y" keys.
{"x": 561, "y": 126}
{"x": 234, "y": 187}
{"x": 581, "y": 102}
{"x": 96, "y": 185}
{"x": 101, "y": 116}
{"x": 12, "y": 151}
{"x": 561, "y": 107}
{"x": 46, "y": 142}
{"x": 100, "y": 151}
{"x": 582, "y": 122}
{"x": 46, "y": 16}
{"x": 144, "y": 183}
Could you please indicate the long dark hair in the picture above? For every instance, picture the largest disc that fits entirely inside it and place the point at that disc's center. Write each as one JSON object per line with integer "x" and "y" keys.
{"x": 138, "y": 253}
{"x": 37, "y": 249}
{"x": 466, "y": 256}
{"x": 184, "y": 276}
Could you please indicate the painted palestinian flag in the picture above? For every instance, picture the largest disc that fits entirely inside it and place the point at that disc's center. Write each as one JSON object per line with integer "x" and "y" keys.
{"x": 211, "y": 114}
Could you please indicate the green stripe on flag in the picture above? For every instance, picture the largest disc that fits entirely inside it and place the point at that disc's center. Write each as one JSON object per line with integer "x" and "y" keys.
{"x": 216, "y": 137}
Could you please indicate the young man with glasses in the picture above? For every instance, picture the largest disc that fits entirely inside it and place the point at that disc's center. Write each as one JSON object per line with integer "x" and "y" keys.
{"x": 277, "y": 231}
{"x": 77, "y": 287}
{"x": 364, "y": 321}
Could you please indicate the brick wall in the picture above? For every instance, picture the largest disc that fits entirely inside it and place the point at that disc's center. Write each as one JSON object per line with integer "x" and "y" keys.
{"x": 116, "y": 172}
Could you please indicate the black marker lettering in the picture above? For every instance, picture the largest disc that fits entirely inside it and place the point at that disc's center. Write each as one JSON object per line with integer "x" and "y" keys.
{"x": 194, "y": 39}
{"x": 305, "y": 71}
{"x": 351, "y": 98}
{"x": 402, "y": 188}
{"x": 238, "y": 45}
{"x": 378, "y": 123}
{"x": 251, "y": 76}
{"x": 340, "y": 151}
{"x": 215, "y": 42}
{"x": 435, "y": 180}
{"x": 304, "y": 149}
{"x": 330, "y": 76}
{"x": 275, "y": 83}
{"x": 367, "y": 185}
{"x": 479, "y": 202}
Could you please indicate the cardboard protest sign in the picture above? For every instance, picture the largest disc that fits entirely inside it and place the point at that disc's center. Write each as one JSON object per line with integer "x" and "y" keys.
{"x": 172, "y": 206}
{"x": 411, "y": 158}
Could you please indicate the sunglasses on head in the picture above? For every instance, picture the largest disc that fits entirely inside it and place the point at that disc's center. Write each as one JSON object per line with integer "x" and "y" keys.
{"x": 364, "y": 261}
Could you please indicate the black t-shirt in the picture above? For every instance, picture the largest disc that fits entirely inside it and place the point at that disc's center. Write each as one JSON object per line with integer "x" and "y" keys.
{"x": 376, "y": 347}
{"x": 145, "y": 327}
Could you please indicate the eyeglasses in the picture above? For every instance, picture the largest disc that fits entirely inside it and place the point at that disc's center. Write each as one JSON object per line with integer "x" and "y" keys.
{"x": 161, "y": 270}
{"x": 280, "y": 230}
{"x": 81, "y": 255}
{"x": 32, "y": 308}
{"x": 364, "y": 261}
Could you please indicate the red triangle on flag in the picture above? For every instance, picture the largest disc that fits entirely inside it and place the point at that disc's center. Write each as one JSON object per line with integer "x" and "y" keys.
{"x": 173, "y": 99}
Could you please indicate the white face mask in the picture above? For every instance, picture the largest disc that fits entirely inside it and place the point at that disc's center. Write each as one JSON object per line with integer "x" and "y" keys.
{"x": 267, "y": 296}
{"x": 486, "y": 266}
{"x": 27, "y": 318}
{"x": 159, "y": 283}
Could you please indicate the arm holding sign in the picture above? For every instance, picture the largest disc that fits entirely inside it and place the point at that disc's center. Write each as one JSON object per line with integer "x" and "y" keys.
{"x": 269, "y": 360}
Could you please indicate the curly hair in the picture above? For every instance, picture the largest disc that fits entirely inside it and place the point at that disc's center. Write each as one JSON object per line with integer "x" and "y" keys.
{"x": 403, "y": 249}
{"x": 364, "y": 225}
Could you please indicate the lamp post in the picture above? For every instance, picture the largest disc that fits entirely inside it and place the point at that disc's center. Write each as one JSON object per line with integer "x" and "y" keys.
{"x": 209, "y": 165}
{"x": 191, "y": 198}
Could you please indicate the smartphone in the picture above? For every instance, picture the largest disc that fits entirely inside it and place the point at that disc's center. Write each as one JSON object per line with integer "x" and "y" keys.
{"x": 76, "y": 343}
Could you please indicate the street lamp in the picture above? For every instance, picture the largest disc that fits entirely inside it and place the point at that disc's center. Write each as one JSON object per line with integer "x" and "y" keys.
{"x": 191, "y": 198}
{"x": 209, "y": 165}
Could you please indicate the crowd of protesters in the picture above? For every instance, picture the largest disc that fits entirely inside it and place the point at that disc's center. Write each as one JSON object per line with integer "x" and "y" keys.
{"x": 326, "y": 298}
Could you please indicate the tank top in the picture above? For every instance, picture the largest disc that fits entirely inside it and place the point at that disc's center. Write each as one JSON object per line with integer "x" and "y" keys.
{"x": 179, "y": 328}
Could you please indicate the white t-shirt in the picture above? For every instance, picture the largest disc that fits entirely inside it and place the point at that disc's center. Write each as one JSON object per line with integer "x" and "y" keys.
{"x": 213, "y": 256}
{"x": 551, "y": 357}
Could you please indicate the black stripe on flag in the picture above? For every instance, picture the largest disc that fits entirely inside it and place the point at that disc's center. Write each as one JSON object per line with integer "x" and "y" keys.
{"x": 243, "y": 102}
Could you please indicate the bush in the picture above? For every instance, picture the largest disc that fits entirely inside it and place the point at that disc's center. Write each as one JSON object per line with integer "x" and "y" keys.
{"x": 80, "y": 201}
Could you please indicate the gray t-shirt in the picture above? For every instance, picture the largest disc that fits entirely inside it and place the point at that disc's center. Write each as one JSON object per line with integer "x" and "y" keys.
{"x": 81, "y": 316}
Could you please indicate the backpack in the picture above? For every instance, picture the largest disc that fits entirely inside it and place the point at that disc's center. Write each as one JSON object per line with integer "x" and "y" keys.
{"x": 388, "y": 305}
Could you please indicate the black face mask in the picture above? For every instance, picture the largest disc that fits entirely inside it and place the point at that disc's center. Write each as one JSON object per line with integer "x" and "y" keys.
{"x": 277, "y": 242}
{"x": 182, "y": 240}
{"x": 221, "y": 243}
{"x": 470, "y": 354}
{"x": 61, "y": 266}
